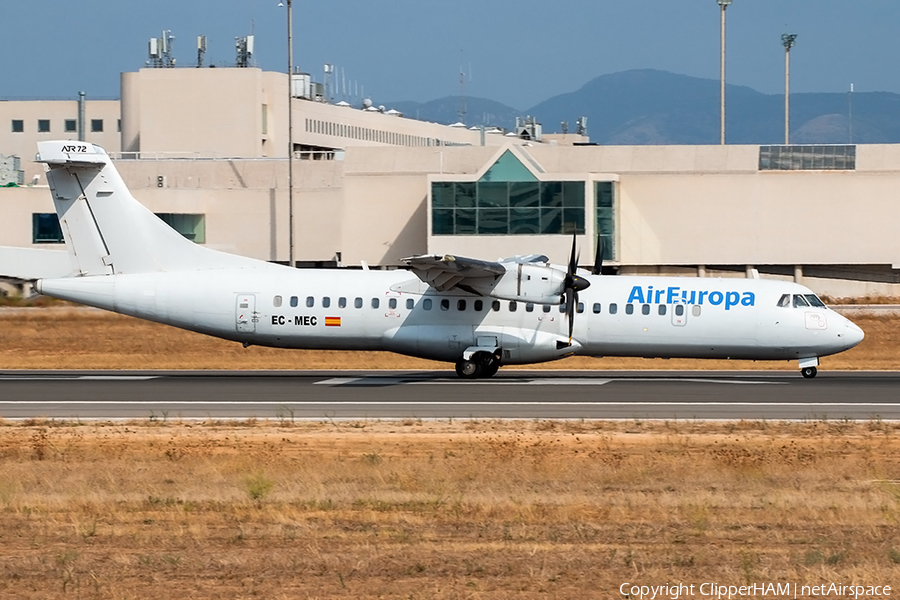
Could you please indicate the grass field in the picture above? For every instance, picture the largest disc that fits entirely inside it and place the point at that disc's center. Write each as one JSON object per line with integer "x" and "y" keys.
{"x": 441, "y": 509}
{"x": 61, "y": 339}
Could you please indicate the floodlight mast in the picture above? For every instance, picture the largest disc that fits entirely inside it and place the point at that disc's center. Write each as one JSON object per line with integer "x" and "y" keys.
{"x": 788, "y": 40}
{"x": 723, "y": 4}
{"x": 290, "y": 86}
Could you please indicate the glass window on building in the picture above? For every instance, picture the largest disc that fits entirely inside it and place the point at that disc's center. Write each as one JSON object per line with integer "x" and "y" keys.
{"x": 97, "y": 125}
{"x": 193, "y": 227}
{"x": 605, "y": 224}
{"x": 45, "y": 229}
{"x": 507, "y": 200}
{"x": 837, "y": 157}
{"x": 18, "y": 126}
{"x": 70, "y": 126}
{"x": 43, "y": 125}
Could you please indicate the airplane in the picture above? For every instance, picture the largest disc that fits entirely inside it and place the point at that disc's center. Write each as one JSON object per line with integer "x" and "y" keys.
{"x": 476, "y": 314}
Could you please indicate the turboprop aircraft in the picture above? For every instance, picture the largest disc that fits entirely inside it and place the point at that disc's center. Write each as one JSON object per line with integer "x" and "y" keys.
{"x": 477, "y": 314}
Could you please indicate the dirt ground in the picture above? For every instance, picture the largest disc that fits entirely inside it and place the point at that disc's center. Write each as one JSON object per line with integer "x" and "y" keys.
{"x": 468, "y": 509}
{"x": 59, "y": 338}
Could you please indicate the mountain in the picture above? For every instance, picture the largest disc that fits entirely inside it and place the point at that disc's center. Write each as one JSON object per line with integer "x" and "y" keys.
{"x": 479, "y": 111}
{"x": 657, "y": 107}
{"x": 647, "y": 106}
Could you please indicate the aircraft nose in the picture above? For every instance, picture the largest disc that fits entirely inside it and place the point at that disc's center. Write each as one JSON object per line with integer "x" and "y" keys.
{"x": 852, "y": 334}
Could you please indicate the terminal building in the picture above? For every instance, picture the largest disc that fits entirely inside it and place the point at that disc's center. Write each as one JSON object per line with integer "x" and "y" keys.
{"x": 207, "y": 150}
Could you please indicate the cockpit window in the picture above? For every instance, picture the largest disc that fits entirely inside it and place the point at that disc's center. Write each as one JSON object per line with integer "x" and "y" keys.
{"x": 814, "y": 300}
{"x": 784, "y": 301}
{"x": 800, "y": 301}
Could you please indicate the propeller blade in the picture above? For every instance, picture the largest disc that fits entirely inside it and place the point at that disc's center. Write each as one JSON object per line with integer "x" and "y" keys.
{"x": 598, "y": 261}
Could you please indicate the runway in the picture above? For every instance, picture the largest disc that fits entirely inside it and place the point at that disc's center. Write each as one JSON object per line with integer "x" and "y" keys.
{"x": 432, "y": 395}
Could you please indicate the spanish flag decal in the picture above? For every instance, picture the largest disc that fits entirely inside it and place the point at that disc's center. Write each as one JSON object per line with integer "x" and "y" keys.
{"x": 332, "y": 321}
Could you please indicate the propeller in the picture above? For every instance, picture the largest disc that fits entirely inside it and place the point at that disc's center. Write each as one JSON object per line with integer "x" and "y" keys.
{"x": 598, "y": 260}
{"x": 572, "y": 284}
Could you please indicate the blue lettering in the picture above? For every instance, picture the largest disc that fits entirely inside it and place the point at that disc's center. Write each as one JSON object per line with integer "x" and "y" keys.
{"x": 637, "y": 295}
{"x": 731, "y": 299}
{"x": 671, "y": 295}
{"x": 715, "y": 298}
{"x": 749, "y": 299}
{"x": 659, "y": 293}
{"x": 702, "y": 295}
{"x": 691, "y": 300}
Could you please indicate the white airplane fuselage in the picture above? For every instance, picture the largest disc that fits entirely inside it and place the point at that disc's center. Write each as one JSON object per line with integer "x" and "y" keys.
{"x": 475, "y": 313}
{"x": 654, "y": 316}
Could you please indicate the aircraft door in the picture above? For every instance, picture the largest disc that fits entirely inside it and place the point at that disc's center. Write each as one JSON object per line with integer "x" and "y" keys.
{"x": 245, "y": 313}
{"x": 679, "y": 315}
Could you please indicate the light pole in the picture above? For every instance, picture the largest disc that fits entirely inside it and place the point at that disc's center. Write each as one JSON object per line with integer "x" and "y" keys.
{"x": 290, "y": 106}
{"x": 723, "y": 4}
{"x": 788, "y": 40}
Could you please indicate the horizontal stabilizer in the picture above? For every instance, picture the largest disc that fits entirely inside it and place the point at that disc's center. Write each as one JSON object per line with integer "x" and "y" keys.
{"x": 32, "y": 263}
{"x": 70, "y": 153}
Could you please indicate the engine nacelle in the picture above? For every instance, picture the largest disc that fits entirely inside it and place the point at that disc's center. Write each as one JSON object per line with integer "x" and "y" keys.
{"x": 524, "y": 282}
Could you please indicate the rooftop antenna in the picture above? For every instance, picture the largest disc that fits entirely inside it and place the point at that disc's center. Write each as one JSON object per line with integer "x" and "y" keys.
{"x": 581, "y": 126}
{"x": 850, "y": 112}
{"x": 462, "y": 92}
{"x": 329, "y": 91}
{"x": 244, "y": 48}
{"x": 201, "y": 49}
{"x": 160, "y": 51}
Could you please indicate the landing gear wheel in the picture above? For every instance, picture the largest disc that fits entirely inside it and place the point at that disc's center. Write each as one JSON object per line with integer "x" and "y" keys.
{"x": 808, "y": 372}
{"x": 491, "y": 369}
{"x": 468, "y": 369}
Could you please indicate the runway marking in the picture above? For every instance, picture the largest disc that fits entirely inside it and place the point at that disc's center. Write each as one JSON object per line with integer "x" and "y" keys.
{"x": 189, "y": 403}
{"x": 79, "y": 377}
{"x": 388, "y": 381}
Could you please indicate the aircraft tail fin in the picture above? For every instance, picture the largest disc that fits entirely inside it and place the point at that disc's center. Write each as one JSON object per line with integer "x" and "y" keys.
{"x": 106, "y": 229}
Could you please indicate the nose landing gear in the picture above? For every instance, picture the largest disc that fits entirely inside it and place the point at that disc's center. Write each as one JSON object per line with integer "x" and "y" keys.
{"x": 808, "y": 367}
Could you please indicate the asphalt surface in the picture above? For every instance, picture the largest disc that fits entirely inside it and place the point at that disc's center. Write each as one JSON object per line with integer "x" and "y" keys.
{"x": 397, "y": 395}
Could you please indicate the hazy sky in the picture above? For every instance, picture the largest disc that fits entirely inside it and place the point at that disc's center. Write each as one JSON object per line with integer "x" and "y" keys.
{"x": 518, "y": 52}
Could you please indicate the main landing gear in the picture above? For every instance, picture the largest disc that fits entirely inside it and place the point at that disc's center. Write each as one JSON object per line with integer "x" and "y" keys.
{"x": 809, "y": 372}
{"x": 482, "y": 364}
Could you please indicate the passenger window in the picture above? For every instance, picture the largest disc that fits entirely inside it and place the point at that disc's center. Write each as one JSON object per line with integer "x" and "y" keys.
{"x": 645, "y": 309}
{"x": 376, "y": 302}
{"x": 547, "y": 308}
{"x": 662, "y": 310}
{"x": 513, "y": 306}
{"x": 326, "y": 302}
{"x": 445, "y": 304}
{"x": 800, "y": 301}
{"x": 479, "y": 306}
{"x": 460, "y": 305}
{"x": 495, "y": 305}
{"x": 392, "y": 303}
{"x": 596, "y": 308}
{"x": 357, "y": 303}
{"x": 579, "y": 308}
{"x": 629, "y": 309}
{"x": 277, "y": 302}
{"x": 784, "y": 301}
{"x": 529, "y": 307}
{"x": 342, "y": 302}
{"x": 294, "y": 301}
{"x": 814, "y": 300}
{"x": 679, "y": 310}
{"x": 695, "y": 310}
{"x": 613, "y": 308}
{"x": 410, "y": 303}
{"x": 426, "y": 303}
{"x": 310, "y": 301}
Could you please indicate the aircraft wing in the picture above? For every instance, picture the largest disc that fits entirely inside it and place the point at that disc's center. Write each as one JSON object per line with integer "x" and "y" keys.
{"x": 445, "y": 272}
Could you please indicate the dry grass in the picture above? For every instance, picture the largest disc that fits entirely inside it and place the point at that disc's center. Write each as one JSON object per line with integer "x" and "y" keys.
{"x": 441, "y": 510}
{"x": 61, "y": 339}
